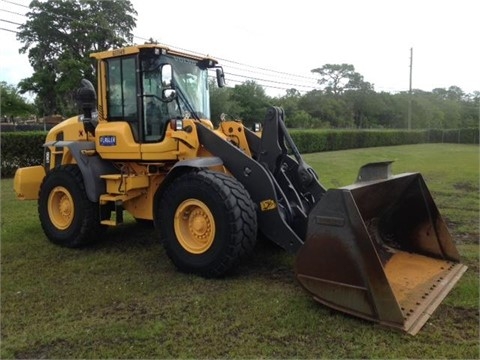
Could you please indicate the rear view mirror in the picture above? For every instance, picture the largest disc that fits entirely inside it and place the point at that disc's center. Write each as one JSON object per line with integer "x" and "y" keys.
{"x": 220, "y": 78}
{"x": 167, "y": 76}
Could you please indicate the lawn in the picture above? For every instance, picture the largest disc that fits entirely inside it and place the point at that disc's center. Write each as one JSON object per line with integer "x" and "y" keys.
{"x": 122, "y": 297}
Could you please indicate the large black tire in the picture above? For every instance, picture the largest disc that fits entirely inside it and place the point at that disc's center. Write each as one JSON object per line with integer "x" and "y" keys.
{"x": 67, "y": 216}
{"x": 207, "y": 222}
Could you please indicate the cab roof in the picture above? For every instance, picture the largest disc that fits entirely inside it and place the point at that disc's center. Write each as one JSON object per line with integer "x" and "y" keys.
{"x": 134, "y": 49}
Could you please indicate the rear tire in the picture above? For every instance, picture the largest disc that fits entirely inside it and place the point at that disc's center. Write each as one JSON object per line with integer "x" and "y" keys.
{"x": 67, "y": 216}
{"x": 207, "y": 222}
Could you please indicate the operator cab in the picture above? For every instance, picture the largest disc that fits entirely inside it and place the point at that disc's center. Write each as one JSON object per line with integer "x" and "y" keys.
{"x": 149, "y": 85}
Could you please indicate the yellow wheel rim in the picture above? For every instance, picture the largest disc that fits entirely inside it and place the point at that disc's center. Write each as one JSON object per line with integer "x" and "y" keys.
{"x": 194, "y": 226}
{"x": 61, "y": 207}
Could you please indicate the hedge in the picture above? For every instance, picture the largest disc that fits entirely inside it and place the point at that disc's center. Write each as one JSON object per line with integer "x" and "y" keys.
{"x": 309, "y": 141}
{"x": 25, "y": 148}
{"x": 21, "y": 149}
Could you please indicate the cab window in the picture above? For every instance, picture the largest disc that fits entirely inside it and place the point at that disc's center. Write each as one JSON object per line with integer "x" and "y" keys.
{"x": 122, "y": 93}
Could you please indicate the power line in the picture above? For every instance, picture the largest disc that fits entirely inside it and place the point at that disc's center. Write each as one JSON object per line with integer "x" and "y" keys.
{"x": 278, "y": 77}
{"x": 264, "y": 69}
{"x": 13, "y": 31}
{"x": 245, "y": 73}
{"x": 244, "y": 76}
{"x": 15, "y": 3}
{"x": 262, "y": 85}
{"x": 61, "y": 16}
{"x": 224, "y": 61}
{"x": 12, "y": 12}
{"x": 10, "y": 22}
{"x": 272, "y": 81}
{"x": 225, "y": 64}
{"x": 297, "y": 80}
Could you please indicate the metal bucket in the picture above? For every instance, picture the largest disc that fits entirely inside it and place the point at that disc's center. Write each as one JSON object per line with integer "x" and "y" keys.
{"x": 379, "y": 250}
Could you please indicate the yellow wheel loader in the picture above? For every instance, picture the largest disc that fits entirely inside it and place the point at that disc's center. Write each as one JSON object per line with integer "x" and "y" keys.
{"x": 377, "y": 249}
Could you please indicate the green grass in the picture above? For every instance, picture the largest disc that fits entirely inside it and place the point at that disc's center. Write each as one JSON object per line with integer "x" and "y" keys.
{"x": 450, "y": 171}
{"x": 122, "y": 298}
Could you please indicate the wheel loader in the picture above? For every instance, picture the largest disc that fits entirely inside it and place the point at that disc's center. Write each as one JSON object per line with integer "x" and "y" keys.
{"x": 144, "y": 143}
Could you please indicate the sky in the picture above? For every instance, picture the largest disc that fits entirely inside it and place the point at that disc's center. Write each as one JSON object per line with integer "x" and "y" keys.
{"x": 278, "y": 43}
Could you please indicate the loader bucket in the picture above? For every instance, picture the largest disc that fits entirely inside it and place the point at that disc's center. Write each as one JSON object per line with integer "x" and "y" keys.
{"x": 379, "y": 250}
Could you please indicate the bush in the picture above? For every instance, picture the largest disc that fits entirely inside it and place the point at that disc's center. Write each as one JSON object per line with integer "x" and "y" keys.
{"x": 21, "y": 149}
{"x": 309, "y": 141}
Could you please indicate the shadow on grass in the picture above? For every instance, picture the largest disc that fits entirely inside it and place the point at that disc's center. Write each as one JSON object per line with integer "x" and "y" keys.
{"x": 267, "y": 260}
{"x": 126, "y": 237}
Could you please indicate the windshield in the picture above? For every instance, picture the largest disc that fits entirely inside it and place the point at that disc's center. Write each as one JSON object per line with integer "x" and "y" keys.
{"x": 190, "y": 81}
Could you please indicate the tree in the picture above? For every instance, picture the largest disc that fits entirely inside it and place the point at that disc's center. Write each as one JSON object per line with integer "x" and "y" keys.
{"x": 452, "y": 93}
{"x": 394, "y": 111}
{"x": 326, "y": 109}
{"x": 12, "y": 103}
{"x": 252, "y": 100}
{"x": 221, "y": 103}
{"x": 289, "y": 103}
{"x": 59, "y": 36}
{"x": 356, "y": 106}
{"x": 365, "y": 106}
{"x": 302, "y": 119}
{"x": 471, "y": 110}
{"x": 339, "y": 77}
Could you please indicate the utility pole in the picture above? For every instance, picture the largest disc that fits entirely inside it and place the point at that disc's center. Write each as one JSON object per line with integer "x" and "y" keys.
{"x": 409, "y": 120}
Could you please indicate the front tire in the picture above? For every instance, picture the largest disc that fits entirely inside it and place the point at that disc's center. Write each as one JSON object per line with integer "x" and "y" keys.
{"x": 67, "y": 216}
{"x": 207, "y": 222}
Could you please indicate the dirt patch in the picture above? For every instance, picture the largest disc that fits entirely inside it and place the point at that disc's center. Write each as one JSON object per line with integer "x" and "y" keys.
{"x": 45, "y": 351}
{"x": 465, "y": 238}
{"x": 466, "y": 187}
{"x": 125, "y": 311}
{"x": 462, "y": 322}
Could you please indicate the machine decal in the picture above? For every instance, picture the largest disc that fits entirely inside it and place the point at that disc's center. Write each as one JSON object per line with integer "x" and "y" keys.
{"x": 108, "y": 140}
{"x": 267, "y": 205}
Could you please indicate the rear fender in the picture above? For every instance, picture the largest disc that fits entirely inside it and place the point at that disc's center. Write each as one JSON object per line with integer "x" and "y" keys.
{"x": 91, "y": 165}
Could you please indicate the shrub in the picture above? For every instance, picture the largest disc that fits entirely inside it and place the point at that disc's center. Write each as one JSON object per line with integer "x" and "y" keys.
{"x": 20, "y": 149}
{"x": 309, "y": 141}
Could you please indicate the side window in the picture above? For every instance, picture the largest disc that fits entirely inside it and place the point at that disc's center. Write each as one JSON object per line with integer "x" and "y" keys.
{"x": 115, "y": 97}
{"x": 122, "y": 93}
